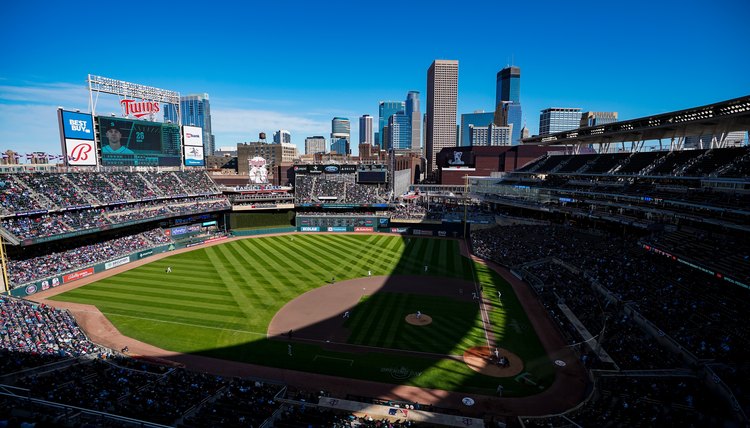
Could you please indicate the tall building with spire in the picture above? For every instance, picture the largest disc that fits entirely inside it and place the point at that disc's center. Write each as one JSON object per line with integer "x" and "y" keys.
{"x": 508, "y": 90}
{"x": 442, "y": 102}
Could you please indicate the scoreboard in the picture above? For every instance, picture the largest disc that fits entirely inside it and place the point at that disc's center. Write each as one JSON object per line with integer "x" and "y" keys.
{"x": 127, "y": 142}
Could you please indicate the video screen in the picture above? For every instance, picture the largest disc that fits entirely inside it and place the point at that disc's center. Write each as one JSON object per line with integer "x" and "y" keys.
{"x": 126, "y": 142}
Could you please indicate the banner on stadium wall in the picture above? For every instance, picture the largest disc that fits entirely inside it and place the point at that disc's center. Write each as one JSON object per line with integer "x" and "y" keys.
{"x": 309, "y": 229}
{"x": 78, "y": 275}
{"x": 337, "y": 229}
{"x": 194, "y": 228}
{"x": 420, "y": 232}
{"x": 49, "y": 283}
{"x": 143, "y": 254}
{"x": 178, "y": 230}
{"x": 363, "y": 229}
{"x": 114, "y": 263}
{"x": 442, "y": 233}
{"x": 399, "y": 230}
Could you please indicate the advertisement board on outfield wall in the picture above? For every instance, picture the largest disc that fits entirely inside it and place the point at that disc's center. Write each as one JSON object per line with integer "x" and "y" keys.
{"x": 114, "y": 263}
{"x": 420, "y": 232}
{"x": 337, "y": 229}
{"x": 83, "y": 273}
{"x": 309, "y": 229}
{"x": 364, "y": 229}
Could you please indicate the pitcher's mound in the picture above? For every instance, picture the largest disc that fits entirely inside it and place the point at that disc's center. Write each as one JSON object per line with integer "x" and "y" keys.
{"x": 482, "y": 359}
{"x": 422, "y": 320}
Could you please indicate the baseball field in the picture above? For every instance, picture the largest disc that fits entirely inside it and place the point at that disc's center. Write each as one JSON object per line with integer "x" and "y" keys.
{"x": 350, "y": 302}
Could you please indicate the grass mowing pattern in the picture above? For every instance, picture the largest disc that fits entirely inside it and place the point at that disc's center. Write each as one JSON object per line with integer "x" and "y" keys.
{"x": 219, "y": 300}
{"x": 379, "y": 321}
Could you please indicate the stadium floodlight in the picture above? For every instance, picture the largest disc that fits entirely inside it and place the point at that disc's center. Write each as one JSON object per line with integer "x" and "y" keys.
{"x": 128, "y": 89}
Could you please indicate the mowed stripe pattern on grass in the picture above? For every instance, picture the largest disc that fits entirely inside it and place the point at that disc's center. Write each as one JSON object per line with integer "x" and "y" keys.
{"x": 379, "y": 321}
{"x": 240, "y": 285}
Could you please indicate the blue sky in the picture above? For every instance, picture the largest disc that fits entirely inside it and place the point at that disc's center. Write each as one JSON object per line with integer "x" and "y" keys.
{"x": 296, "y": 64}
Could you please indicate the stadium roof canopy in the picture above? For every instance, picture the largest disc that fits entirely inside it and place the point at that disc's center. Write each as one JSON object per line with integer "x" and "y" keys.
{"x": 716, "y": 119}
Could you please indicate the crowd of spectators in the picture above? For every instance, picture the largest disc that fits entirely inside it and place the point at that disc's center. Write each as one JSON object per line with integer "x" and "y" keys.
{"x": 339, "y": 188}
{"x": 410, "y": 211}
{"x": 702, "y": 313}
{"x": 55, "y": 191}
{"x": 45, "y": 225}
{"x": 14, "y": 197}
{"x": 21, "y": 271}
{"x": 690, "y": 163}
{"x": 630, "y": 347}
{"x": 57, "y": 188}
{"x": 103, "y": 385}
{"x": 37, "y": 226}
{"x": 33, "y": 334}
{"x": 628, "y": 401}
{"x": 244, "y": 402}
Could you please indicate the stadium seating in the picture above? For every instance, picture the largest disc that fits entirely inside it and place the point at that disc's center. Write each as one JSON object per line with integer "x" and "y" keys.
{"x": 21, "y": 271}
{"x": 337, "y": 189}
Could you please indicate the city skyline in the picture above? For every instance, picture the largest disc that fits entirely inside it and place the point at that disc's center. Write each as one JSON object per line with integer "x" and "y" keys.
{"x": 250, "y": 93}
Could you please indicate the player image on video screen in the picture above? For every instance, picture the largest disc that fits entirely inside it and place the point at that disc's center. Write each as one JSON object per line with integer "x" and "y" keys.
{"x": 114, "y": 140}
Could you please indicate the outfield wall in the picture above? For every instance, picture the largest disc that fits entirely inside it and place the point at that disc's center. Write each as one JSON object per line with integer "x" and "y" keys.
{"x": 268, "y": 231}
{"x": 444, "y": 230}
{"x": 241, "y": 220}
{"x": 65, "y": 278}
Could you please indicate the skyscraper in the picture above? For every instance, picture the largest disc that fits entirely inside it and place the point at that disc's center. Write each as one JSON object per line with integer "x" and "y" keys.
{"x": 478, "y": 118}
{"x": 340, "y": 135}
{"x": 490, "y": 135}
{"x": 196, "y": 111}
{"x": 314, "y": 145}
{"x": 365, "y": 129}
{"x": 385, "y": 110}
{"x": 399, "y": 131}
{"x": 282, "y": 136}
{"x": 415, "y": 116}
{"x": 508, "y": 89}
{"x": 442, "y": 100}
{"x": 555, "y": 119}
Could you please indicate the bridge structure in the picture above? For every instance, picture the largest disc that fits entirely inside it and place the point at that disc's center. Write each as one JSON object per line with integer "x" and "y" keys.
{"x": 717, "y": 120}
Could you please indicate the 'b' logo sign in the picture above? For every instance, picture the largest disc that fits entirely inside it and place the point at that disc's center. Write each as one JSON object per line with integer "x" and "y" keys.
{"x": 80, "y": 153}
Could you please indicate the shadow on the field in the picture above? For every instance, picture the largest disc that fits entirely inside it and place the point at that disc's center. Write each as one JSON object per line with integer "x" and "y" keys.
{"x": 365, "y": 335}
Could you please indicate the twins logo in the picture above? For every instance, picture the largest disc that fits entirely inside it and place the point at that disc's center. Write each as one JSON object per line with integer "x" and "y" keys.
{"x": 80, "y": 152}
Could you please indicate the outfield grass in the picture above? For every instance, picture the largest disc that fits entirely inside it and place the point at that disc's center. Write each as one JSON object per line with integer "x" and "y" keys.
{"x": 219, "y": 300}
